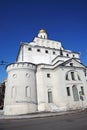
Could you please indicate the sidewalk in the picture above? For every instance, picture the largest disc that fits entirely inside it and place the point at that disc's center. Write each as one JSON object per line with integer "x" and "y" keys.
{"x": 37, "y": 115}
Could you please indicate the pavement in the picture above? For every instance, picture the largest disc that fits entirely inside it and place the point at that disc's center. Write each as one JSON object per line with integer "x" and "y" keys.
{"x": 37, "y": 115}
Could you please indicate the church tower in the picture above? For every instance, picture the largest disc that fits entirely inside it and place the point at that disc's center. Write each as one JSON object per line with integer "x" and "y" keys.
{"x": 45, "y": 77}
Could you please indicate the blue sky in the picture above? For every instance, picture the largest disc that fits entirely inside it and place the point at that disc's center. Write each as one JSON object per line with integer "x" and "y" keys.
{"x": 20, "y": 20}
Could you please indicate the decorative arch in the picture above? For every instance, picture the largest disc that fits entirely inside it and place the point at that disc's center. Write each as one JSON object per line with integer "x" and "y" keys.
{"x": 72, "y": 75}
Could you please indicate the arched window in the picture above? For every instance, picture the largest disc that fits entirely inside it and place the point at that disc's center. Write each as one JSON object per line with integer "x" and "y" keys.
{"x": 82, "y": 90}
{"x": 67, "y": 77}
{"x": 78, "y": 77}
{"x": 73, "y": 55}
{"x": 50, "y": 98}
{"x": 67, "y": 55}
{"x": 41, "y": 36}
{"x": 68, "y": 91}
{"x": 27, "y": 91}
{"x": 72, "y": 75}
{"x": 75, "y": 93}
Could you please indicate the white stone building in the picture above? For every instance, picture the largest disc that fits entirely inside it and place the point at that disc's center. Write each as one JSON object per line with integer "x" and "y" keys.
{"x": 45, "y": 77}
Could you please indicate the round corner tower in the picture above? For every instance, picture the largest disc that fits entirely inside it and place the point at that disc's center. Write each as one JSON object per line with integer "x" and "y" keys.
{"x": 20, "y": 95}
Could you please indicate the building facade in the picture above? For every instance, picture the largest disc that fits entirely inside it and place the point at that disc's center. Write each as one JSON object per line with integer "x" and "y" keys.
{"x": 45, "y": 77}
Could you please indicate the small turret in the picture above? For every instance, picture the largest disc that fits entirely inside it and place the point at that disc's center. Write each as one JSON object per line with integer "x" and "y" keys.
{"x": 42, "y": 34}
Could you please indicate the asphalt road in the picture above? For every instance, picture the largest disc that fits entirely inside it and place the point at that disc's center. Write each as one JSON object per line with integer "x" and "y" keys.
{"x": 76, "y": 121}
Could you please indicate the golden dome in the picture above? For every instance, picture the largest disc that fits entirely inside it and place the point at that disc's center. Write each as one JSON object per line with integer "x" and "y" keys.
{"x": 42, "y": 31}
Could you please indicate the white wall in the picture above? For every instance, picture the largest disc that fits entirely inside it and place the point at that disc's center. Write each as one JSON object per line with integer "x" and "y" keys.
{"x": 57, "y": 83}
